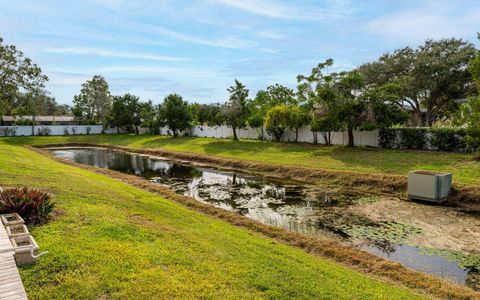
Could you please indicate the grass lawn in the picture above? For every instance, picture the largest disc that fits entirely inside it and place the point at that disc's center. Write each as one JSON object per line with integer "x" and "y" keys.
{"x": 365, "y": 160}
{"x": 112, "y": 240}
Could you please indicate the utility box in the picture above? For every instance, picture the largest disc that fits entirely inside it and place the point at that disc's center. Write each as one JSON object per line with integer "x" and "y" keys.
{"x": 429, "y": 186}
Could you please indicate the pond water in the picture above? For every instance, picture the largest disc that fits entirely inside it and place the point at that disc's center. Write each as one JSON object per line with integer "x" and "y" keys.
{"x": 292, "y": 205}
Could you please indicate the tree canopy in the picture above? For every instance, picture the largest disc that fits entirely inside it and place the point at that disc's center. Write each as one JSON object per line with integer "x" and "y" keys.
{"x": 431, "y": 76}
{"x": 175, "y": 113}
{"x": 235, "y": 111}
{"x": 94, "y": 102}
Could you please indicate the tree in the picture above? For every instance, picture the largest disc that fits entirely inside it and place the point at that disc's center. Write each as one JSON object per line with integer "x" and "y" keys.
{"x": 431, "y": 76}
{"x": 266, "y": 99}
{"x": 174, "y": 113}
{"x": 235, "y": 111}
{"x": 94, "y": 102}
{"x": 125, "y": 112}
{"x": 326, "y": 125}
{"x": 298, "y": 118}
{"x": 17, "y": 74}
{"x": 209, "y": 114}
{"x": 149, "y": 117}
{"x": 471, "y": 111}
{"x": 317, "y": 93}
{"x": 278, "y": 119}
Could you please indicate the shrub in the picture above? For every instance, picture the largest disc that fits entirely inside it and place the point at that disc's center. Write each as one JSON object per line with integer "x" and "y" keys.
{"x": 447, "y": 139}
{"x": 413, "y": 138}
{"x": 387, "y": 138}
{"x": 34, "y": 206}
{"x": 44, "y": 131}
{"x": 6, "y": 131}
{"x": 65, "y": 131}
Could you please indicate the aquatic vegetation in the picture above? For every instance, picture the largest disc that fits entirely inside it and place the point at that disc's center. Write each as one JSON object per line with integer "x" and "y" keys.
{"x": 387, "y": 231}
{"x": 465, "y": 261}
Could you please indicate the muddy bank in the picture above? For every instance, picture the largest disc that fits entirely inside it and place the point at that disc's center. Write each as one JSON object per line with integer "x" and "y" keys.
{"x": 352, "y": 257}
{"x": 467, "y": 197}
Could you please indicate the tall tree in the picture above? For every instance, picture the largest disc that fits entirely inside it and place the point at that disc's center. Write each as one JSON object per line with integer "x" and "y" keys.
{"x": 362, "y": 108}
{"x": 149, "y": 117}
{"x": 266, "y": 99}
{"x": 94, "y": 102}
{"x": 317, "y": 92}
{"x": 431, "y": 76}
{"x": 125, "y": 112}
{"x": 18, "y": 74}
{"x": 471, "y": 110}
{"x": 235, "y": 111}
{"x": 175, "y": 113}
{"x": 209, "y": 114}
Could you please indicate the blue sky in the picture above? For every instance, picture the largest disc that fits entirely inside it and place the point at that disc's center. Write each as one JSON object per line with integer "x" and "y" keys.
{"x": 197, "y": 48}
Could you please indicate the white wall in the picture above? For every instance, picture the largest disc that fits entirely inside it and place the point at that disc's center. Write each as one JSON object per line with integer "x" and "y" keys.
{"x": 305, "y": 135}
{"x": 54, "y": 129}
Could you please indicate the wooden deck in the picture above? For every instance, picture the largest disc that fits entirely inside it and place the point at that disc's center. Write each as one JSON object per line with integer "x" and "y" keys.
{"x": 11, "y": 286}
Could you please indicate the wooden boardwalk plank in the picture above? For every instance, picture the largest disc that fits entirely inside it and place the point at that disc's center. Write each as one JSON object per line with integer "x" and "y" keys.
{"x": 11, "y": 286}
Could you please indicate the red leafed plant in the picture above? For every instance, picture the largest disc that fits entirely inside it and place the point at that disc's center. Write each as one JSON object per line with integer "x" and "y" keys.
{"x": 33, "y": 205}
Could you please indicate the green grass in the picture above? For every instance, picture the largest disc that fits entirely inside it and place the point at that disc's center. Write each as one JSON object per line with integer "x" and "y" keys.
{"x": 111, "y": 240}
{"x": 365, "y": 160}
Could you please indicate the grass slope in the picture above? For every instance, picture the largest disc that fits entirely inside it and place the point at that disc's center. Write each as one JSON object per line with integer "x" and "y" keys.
{"x": 112, "y": 240}
{"x": 364, "y": 160}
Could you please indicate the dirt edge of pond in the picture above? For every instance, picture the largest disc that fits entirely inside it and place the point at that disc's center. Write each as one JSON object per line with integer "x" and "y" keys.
{"x": 467, "y": 197}
{"x": 354, "y": 258}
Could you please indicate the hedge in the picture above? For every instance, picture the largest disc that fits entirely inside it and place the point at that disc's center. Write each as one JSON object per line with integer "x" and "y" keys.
{"x": 441, "y": 139}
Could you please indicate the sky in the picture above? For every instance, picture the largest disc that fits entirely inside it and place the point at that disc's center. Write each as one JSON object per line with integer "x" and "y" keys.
{"x": 197, "y": 48}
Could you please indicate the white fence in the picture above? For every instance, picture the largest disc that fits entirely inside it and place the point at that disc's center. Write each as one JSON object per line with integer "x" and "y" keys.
{"x": 50, "y": 130}
{"x": 305, "y": 135}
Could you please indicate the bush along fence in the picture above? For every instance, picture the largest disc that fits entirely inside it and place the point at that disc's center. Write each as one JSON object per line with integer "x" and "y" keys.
{"x": 438, "y": 139}
{"x": 50, "y": 130}
{"x": 435, "y": 139}
{"x": 305, "y": 135}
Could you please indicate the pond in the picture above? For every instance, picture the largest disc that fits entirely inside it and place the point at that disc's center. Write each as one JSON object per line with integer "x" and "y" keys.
{"x": 296, "y": 206}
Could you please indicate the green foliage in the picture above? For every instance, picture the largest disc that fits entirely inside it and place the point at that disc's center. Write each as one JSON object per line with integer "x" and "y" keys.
{"x": 472, "y": 110}
{"x": 413, "y": 138}
{"x": 18, "y": 75}
{"x": 235, "y": 111}
{"x": 344, "y": 99}
{"x": 175, "y": 113}
{"x": 387, "y": 138}
{"x": 463, "y": 260}
{"x": 278, "y": 120}
{"x": 431, "y": 76}
{"x": 447, "y": 139}
{"x": 148, "y": 116}
{"x": 325, "y": 124}
{"x": 44, "y": 131}
{"x": 34, "y": 206}
{"x": 125, "y": 112}
{"x": 93, "y": 104}
{"x": 390, "y": 231}
{"x": 443, "y": 139}
{"x": 209, "y": 114}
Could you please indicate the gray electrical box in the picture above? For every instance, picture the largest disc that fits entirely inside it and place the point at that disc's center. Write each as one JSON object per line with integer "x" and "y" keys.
{"x": 429, "y": 186}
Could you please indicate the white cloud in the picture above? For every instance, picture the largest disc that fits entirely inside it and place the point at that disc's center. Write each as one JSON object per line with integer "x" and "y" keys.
{"x": 425, "y": 23}
{"x": 224, "y": 42}
{"x": 275, "y": 9}
{"x": 110, "y": 53}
